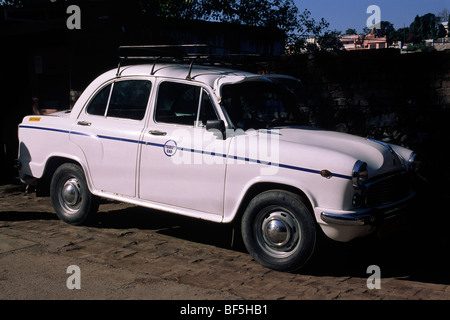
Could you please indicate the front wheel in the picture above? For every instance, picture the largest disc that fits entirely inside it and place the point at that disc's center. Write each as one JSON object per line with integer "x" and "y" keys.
{"x": 278, "y": 230}
{"x": 71, "y": 198}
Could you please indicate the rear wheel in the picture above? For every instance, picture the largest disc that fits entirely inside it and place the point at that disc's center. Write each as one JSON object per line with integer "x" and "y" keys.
{"x": 278, "y": 230}
{"x": 71, "y": 198}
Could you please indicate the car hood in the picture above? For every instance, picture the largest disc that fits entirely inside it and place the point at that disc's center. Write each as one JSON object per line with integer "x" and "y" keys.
{"x": 380, "y": 157}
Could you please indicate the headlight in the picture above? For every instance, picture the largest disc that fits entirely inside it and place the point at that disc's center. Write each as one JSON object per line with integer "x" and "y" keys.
{"x": 360, "y": 174}
{"x": 413, "y": 162}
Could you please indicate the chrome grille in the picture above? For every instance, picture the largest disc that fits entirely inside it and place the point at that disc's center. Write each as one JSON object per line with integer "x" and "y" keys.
{"x": 388, "y": 189}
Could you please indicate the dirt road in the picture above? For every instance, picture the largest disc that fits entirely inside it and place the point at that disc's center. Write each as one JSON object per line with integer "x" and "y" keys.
{"x": 136, "y": 253}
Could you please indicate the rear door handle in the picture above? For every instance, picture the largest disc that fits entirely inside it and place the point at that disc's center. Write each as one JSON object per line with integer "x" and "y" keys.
{"x": 84, "y": 123}
{"x": 157, "y": 133}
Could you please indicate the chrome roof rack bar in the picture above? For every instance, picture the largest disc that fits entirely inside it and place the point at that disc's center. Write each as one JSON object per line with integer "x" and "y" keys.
{"x": 157, "y": 53}
{"x": 188, "y": 77}
{"x": 185, "y": 53}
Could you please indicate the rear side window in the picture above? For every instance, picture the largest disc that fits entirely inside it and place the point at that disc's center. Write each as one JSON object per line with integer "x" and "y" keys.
{"x": 97, "y": 106}
{"x": 128, "y": 100}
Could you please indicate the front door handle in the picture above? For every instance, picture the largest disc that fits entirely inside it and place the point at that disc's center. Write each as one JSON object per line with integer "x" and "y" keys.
{"x": 157, "y": 133}
{"x": 84, "y": 123}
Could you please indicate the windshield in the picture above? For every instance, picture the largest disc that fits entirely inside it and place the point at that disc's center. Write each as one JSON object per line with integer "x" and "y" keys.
{"x": 261, "y": 104}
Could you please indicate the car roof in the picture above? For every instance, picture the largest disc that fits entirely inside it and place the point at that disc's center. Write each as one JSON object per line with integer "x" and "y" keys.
{"x": 212, "y": 76}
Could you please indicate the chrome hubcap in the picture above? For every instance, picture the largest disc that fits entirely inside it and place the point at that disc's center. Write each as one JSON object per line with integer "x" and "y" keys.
{"x": 71, "y": 194}
{"x": 278, "y": 233}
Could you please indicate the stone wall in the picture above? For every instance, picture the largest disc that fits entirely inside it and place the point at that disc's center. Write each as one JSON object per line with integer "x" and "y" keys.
{"x": 382, "y": 94}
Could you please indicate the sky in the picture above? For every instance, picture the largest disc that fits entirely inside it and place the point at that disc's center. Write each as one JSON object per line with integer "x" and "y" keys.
{"x": 345, "y": 14}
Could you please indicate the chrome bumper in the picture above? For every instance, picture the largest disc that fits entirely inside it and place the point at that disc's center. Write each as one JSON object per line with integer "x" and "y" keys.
{"x": 372, "y": 216}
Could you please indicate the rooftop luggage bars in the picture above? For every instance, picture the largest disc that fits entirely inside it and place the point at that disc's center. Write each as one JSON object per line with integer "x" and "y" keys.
{"x": 184, "y": 53}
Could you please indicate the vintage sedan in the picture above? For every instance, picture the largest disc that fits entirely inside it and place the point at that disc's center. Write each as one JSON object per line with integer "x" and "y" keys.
{"x": 217, "y": 144}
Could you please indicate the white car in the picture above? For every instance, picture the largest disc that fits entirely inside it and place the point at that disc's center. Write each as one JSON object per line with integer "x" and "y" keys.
{"x": 215, "y": 144}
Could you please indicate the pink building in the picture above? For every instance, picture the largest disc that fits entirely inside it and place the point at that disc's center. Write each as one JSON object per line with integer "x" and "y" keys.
{"x": 364, "y": 42}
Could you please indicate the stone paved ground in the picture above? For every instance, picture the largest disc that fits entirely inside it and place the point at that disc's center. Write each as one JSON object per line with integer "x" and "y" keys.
{"x": 136, "y": 253}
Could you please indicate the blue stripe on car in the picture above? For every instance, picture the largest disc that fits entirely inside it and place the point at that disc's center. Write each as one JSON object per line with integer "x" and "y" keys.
{"x": 285, "y": 166}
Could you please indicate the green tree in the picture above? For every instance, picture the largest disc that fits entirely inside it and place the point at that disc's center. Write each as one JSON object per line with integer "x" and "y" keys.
{"x": 308, "y": 27}
{"x": 282, "y": 14}
{"x": 401, "y": 34}
{"x": 329, "y": 41}
{"x": 424, "y": 27}
{"x": 386, "y": 29}
{"x": 441, "y": 32}
{"x": 351, "y": 31}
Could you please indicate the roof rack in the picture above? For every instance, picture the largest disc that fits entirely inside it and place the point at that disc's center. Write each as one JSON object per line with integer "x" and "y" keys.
{"x": 184, "y": 53}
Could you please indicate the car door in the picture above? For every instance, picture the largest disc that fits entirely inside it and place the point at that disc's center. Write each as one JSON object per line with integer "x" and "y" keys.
{"x": 182, "y": 164}
{"x": 109, "y": 130}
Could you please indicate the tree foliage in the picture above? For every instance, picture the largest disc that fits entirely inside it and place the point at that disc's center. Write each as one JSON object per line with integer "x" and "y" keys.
{"x": 281, "y": 14}
{"x": 424, "y": 27}
{"x": 330, "y": 41}
{"x": 268, "y": 13}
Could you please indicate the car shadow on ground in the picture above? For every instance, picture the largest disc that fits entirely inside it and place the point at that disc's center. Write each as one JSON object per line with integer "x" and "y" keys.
{"x": 418, "y": 251}
{"x": 169, "y": 224}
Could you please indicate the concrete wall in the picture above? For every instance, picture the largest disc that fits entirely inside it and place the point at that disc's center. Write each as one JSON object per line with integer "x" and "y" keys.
{"x": 382, "y": 94}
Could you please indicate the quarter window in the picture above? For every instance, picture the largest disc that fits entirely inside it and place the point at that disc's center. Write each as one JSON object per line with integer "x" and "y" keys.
{"x": 127, "y": 100}
{"x": 97, "y": 106}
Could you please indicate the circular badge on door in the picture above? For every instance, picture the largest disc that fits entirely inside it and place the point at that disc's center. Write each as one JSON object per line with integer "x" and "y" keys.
{"x": 170, "y": 148}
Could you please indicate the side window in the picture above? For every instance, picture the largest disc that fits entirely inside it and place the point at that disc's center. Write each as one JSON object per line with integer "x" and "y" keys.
{"x": 129, "y": 99}
{"x": 97, "y": 106}
{"x": 178, "y": 103}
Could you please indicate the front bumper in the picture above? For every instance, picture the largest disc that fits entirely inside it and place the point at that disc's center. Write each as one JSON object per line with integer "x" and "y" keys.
{"x": 368, "y": 216}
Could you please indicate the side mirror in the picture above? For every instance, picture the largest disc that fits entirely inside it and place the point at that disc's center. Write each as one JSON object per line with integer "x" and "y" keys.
{"x": 216, "y": 125}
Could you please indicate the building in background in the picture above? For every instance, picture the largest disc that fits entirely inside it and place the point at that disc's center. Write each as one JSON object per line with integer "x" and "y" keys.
{"x": 364, "y": 42}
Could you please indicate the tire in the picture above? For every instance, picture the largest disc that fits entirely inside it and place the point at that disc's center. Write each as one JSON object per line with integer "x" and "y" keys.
{"x": 70, "y": 195}
{"x": 278, "y": 230}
